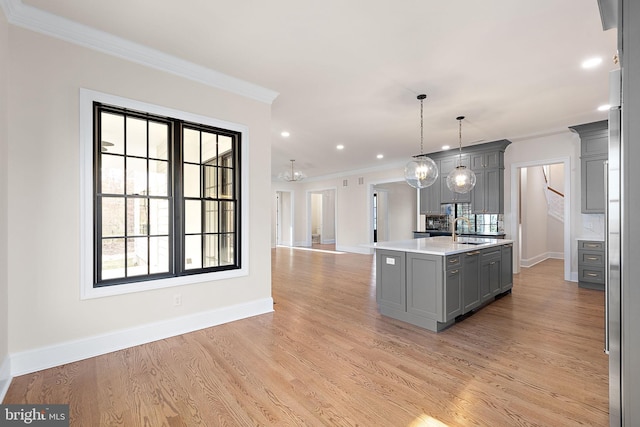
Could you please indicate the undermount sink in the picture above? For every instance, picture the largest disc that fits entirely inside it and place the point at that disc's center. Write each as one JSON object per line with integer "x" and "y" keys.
{"x": 471, "y": 240}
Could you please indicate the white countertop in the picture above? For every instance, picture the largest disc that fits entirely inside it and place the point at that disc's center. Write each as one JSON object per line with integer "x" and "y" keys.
{"x": 441, "y": 245}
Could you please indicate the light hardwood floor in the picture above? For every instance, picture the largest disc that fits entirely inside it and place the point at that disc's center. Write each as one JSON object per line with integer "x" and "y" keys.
{"x": 327, "y": 357}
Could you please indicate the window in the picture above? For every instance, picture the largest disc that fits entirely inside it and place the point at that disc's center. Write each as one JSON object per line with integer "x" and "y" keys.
{"x": 166, "y": 200}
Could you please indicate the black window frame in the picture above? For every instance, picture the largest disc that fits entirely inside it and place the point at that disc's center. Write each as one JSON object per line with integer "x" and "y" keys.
{"x": 175, "y": 197}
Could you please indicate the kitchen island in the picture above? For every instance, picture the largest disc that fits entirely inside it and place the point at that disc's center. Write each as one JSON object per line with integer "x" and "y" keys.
{"x": 432, "y": 282}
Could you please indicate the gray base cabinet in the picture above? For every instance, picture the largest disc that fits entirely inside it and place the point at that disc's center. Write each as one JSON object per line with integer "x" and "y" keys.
{"x": 410, "y": 287}
{"x": 420, "y": 234}
{"x": 490, "y": 273}
{"x": 506, "y": 279}
{"x": 425, "y": 296}
{"x": 470, "y": 279}
{"x": 390, "y": 280}
{"x": 591, "y": 264}
{"x": 431, "y": 291}
{"x": 453, "y": 287}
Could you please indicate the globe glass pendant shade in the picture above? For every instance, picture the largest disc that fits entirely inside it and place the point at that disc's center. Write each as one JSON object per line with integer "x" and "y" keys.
{"x": 461, "y": 180}
{"x": 421, "y": 172}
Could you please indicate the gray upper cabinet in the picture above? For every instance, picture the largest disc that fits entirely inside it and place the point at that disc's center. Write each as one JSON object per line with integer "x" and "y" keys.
{"x": 447, "y": 165}
{"x": 488, "y": 194}
{"x": 594, "y": 148}
{"x": 487, "y": 162}
{"x": 430, "y": 196}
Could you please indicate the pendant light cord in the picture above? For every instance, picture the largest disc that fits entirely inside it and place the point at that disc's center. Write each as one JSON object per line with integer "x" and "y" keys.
{"x": 460, "y": 119}
{"x": 421, "y": 128}
{"x": 421, "y": 98}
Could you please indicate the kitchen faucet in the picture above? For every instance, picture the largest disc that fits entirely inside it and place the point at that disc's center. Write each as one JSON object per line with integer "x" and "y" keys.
{"x": 453, "y": 230}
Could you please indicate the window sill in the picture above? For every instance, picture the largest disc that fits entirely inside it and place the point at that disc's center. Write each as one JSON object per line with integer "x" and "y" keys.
{"x": 89, "y": 292}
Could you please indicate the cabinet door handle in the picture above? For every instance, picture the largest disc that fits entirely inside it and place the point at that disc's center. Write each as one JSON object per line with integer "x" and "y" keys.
{"x": 472, "y": 253}
{"x": 592, "y": 274}
{"x": 453, "y": 272}
{"x": 453, "y": 261}
{"x": 592, "y": 245}
{"x": 592, "y": 258}
{"x": 492, "y": 262}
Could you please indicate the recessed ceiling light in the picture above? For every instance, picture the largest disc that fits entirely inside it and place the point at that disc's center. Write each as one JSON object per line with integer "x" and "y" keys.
{"x": 380, "y": 156}
{"x": 445, "y": 147}
{"x": 340, "y": 147}
{"x": 285, "y": 134}
{"x": 604, "y": 107}
{"x": 591, "y": 62}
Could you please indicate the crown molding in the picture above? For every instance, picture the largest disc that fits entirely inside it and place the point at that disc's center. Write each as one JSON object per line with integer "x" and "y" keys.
{"x": 31, "y": 18}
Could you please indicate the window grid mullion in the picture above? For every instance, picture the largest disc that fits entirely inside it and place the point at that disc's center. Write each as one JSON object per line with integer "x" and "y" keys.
{"x": 175, "y": 226}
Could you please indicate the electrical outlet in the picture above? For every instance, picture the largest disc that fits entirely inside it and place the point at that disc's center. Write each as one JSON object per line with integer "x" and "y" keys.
{"x": 177, "y": 300}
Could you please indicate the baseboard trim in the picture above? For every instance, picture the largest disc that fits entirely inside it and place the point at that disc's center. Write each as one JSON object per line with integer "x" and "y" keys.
{"x": 556, "y": 255}
{"x": 72, "y": 351}
{"x": 355, "y": 249}
{"x": 530, "y": 262}
{"x": 5, "y": 377}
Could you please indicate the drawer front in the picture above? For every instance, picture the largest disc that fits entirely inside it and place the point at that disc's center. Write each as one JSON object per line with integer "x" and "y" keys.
{"x": 591, "y": 245}
{"x": 453, "y": 261}
{"x": 491, "y": 253}
{"x": 592, "y": 275}
{"x": 591, "y": 258}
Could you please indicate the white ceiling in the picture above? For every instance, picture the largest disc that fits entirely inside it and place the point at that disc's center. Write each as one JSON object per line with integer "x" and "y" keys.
{"x": 348, "y": 72}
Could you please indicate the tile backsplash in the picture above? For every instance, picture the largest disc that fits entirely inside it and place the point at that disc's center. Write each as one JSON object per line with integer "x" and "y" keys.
{"x": 483, "y": 223}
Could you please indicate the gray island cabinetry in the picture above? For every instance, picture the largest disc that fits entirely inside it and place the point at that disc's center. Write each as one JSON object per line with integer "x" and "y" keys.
{"x": 432, "y": 282}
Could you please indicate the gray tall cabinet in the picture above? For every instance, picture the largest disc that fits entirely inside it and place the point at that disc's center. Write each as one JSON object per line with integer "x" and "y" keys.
{"x": 594, "y": 148}
{"x": 487, "y": 162}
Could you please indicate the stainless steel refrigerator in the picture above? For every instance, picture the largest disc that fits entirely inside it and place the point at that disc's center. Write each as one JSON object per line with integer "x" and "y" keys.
{"x": 613, "y": 277}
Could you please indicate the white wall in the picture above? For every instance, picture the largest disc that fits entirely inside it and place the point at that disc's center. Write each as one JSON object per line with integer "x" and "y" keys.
{"x": 45, "y": 309}
{"x": 534, "y": 216}
{"x": 286, "y": 218}
{"x": 561, "y": 145}
{"x": 353, "y": 206}
{"x": 401, "y": 209}
{"x": 316, "y": 213}
{"x": 4, "y": 205}
{"x": 542, "y": 234}
{"x": 555, "y": 227}
{"x": 329, "y": 216}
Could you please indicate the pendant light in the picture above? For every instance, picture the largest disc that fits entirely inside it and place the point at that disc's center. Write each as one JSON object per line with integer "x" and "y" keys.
{"x": 422, "y": 171}
{"x": 292, "y": 175}
{"x": 462, "y": 179}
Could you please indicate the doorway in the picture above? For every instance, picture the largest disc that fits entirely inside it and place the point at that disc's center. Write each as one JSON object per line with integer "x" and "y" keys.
{"x": 321, "y": 217}
{"x": 284, "y": 218}
{"x": 380, "y": 215}
{"x": 540, "y": 203}
{"x": 393, "y": 213}
{"x": 541, "y": 218}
